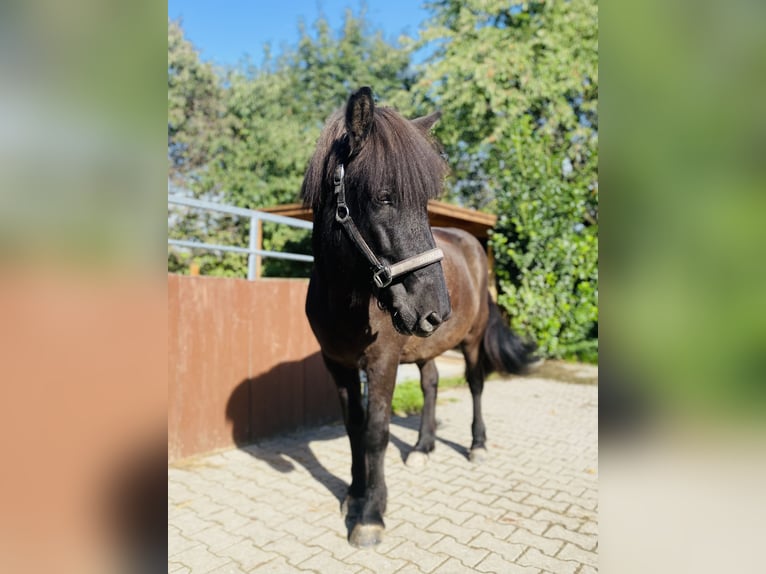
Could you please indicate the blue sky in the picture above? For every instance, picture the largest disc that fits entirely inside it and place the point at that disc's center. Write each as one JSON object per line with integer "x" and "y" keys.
{"x": 226, "y": 30}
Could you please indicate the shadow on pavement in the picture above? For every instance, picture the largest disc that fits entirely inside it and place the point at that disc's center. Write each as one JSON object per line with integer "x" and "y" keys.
{"x": 258, "y": 401}
{"x": 413, "y": 423}
{"x": 283, "y": 455}
{"x": 265, "y": 411}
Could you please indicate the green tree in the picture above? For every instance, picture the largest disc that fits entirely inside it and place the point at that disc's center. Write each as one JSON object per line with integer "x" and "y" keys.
{"x": 197, "y": 125}
{"x": 276, "y": 112}
{"x": 266, "y": 128}
{"x": 195, "y": 109}
{"x": 518, "y": 85}
{"x": 325, "y": 69}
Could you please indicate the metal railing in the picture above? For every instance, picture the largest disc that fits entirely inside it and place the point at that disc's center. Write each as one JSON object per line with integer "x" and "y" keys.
{"x": 253, "y": 250}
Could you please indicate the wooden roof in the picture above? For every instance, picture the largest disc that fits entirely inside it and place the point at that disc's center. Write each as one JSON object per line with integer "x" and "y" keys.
{"x": 440, "y": 214}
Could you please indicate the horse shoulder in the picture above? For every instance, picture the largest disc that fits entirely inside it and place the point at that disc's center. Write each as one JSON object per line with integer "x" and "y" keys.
{"x": 465, "y": 270}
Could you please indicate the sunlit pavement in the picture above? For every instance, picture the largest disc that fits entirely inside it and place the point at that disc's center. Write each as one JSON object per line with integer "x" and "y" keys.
{"x": 532, "y": 506}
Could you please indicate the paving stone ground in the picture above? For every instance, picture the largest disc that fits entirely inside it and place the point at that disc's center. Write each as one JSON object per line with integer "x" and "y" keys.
{"x": 532, "y": 506}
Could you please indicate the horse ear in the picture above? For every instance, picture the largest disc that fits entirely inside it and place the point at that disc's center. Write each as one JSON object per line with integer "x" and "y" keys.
{"x": 425, "y": 123}
{"x": 359, "y": 117}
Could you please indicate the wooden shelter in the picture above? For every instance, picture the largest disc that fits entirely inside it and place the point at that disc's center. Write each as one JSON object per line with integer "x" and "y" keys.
{"x": 440, "y": 214}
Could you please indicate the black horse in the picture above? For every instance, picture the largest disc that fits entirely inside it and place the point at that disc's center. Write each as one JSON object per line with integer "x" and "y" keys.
{"x": 387, "y": 289}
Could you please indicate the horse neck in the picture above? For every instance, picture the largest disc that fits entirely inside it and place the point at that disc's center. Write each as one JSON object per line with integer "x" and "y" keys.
{"x": 344, "y": 277}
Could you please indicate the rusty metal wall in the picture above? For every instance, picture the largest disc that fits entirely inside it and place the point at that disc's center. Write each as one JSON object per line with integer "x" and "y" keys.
{"x": 243, "y": 363}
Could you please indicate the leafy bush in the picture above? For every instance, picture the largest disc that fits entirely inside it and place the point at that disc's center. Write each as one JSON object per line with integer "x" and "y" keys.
{"x": 285, "y": 239}
{"x": 518, "y": 87}
{"x": 546, "y": 248}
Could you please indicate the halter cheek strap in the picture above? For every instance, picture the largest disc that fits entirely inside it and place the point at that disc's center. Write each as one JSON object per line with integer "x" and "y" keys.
{"x": 382, "y": 274}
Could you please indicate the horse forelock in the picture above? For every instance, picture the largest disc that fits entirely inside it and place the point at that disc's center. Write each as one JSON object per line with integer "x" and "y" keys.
{"x": 396, "y": 156}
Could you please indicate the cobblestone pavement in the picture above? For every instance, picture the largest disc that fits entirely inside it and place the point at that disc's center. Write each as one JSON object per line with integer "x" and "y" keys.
{"x": 530, "y": 507}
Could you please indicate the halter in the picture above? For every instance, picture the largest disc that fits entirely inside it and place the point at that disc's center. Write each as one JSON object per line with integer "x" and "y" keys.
{"x": 382, "y": 274}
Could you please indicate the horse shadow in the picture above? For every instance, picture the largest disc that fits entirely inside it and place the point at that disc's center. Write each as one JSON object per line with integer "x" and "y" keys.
{"x": 274, "y": 417}
{"x": 412, "y": 422}
{"x": 266, "y": 411}
{"x": 285, "y": 453}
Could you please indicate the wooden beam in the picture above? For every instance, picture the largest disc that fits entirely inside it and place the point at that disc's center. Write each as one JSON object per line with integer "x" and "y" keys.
{"x": 440, "y": 214}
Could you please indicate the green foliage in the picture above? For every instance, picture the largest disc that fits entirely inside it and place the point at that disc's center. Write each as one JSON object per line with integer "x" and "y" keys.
{"x": 546, "y": 249}
{"x": 212, "y": 228}
{"x": 195, "y": 107}
{"x": 244, "y": 136}
{"x": 289, "y": 240}
{"x": 407, "y": 399}
{"x": 518, "y": 87}
{"x": 325, "y": 69}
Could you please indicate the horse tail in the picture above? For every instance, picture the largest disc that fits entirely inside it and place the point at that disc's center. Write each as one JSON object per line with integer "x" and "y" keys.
{"x": 502, "y": 350}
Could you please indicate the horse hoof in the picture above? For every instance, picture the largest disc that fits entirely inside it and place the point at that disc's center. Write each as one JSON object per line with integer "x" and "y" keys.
{"x": 416, "y": 459}
{"x": 366, "y": 535}
{"x": 478, "y": 455}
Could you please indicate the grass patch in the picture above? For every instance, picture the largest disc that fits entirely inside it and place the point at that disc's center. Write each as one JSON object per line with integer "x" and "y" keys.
{"x": 408, "y": 398}
{"x": 451, "y": 382}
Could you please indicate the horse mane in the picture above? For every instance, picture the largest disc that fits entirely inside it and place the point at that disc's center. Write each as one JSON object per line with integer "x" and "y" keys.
{"x": 397, "y": 156}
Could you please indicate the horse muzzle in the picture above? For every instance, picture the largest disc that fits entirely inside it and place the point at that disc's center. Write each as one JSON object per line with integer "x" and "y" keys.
{"x": 425, "y": 326}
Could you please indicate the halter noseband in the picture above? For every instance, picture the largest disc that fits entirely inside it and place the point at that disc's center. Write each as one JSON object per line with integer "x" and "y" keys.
{"x": 382, "y": 274}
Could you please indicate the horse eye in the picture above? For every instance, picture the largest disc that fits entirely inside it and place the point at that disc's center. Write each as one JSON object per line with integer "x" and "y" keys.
{"x": 386, "y": 198}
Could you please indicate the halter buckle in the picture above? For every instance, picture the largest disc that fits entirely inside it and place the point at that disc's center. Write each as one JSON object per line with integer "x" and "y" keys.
{"x": 382, "y": 277}
{"x": 339, "y": 174}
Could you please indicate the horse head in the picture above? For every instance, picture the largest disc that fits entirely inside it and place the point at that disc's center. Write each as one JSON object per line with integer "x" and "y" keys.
{"x": 382, "y": 170}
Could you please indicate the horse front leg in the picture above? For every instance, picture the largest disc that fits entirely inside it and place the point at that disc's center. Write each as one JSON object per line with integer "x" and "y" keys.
{"x": 349, "y": 393}
{"x": 381, "y": 377}
{"x": 429, "y": 381}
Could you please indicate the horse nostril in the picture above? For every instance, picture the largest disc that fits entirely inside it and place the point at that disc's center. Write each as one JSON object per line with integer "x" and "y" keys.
{"x": 434, "y": 319}
{"x": 428, "y": 324}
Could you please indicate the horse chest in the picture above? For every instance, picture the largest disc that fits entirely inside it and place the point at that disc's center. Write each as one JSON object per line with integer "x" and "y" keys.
{"x": 342, "y": 336}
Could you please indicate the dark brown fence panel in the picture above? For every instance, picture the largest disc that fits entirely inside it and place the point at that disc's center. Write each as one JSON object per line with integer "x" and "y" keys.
{"x": 243, "y": 363}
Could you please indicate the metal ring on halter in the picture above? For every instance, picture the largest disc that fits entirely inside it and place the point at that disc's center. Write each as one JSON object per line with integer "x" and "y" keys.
{"x": 341, "y": 213}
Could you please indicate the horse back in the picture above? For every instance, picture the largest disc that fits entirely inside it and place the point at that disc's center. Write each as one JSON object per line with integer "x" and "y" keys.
{"x": 465, "y": 254}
